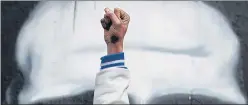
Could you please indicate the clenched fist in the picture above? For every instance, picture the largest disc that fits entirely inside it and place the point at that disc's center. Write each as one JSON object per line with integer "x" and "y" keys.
{"x": 115, "y": 26}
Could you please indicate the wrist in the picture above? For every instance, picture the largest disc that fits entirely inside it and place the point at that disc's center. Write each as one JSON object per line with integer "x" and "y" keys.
{"x": 114, "y": 48}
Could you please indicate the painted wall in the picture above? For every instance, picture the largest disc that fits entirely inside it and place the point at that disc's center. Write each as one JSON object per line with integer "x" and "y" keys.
{"x": 64, "y": 47}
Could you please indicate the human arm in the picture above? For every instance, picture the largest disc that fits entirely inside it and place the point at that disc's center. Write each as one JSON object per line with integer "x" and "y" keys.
{"x": 113, "y": 79}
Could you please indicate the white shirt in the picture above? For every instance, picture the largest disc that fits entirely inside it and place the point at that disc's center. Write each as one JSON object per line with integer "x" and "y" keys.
{"x": 112, "y": 81}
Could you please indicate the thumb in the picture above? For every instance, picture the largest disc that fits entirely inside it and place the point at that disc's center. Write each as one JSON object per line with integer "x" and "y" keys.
{"x": 122, "y": 15}
{"x": 110, "y": 14}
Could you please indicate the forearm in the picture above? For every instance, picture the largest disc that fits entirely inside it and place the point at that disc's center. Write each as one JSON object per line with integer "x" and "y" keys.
{"x": 115, "y": 48}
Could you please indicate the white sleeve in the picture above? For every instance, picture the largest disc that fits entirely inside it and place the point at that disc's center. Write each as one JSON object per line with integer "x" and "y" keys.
{"x": 112, "y": 81}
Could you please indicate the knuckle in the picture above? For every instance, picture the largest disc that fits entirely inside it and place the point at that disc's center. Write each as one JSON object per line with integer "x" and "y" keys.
{"x": 111, "y": 14}
{"x": 119, "y": 9}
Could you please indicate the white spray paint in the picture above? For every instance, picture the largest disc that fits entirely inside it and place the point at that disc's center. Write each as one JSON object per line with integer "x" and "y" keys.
{"x": 170, "y": 47}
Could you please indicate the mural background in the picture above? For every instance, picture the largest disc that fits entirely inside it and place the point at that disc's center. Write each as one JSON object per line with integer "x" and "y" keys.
{"x": 14, "y": 13}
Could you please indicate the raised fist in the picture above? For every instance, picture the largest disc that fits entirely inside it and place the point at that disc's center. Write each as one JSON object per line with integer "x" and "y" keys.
{"x": 115, "y": 26}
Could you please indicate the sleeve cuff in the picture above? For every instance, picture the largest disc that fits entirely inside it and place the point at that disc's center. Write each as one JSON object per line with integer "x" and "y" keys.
{"x": 113, "y": 60}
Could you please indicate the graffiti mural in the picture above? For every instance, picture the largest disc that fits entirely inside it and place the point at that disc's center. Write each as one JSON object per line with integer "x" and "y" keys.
{"x": 175, "y": 51}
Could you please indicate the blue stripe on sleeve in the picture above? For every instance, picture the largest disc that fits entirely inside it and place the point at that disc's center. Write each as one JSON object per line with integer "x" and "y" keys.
{"x": 107, "y": 61}
{"x": 123, "y": 67}
{"x": 112, "y": 65}
{"x": 112, "y": 57}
